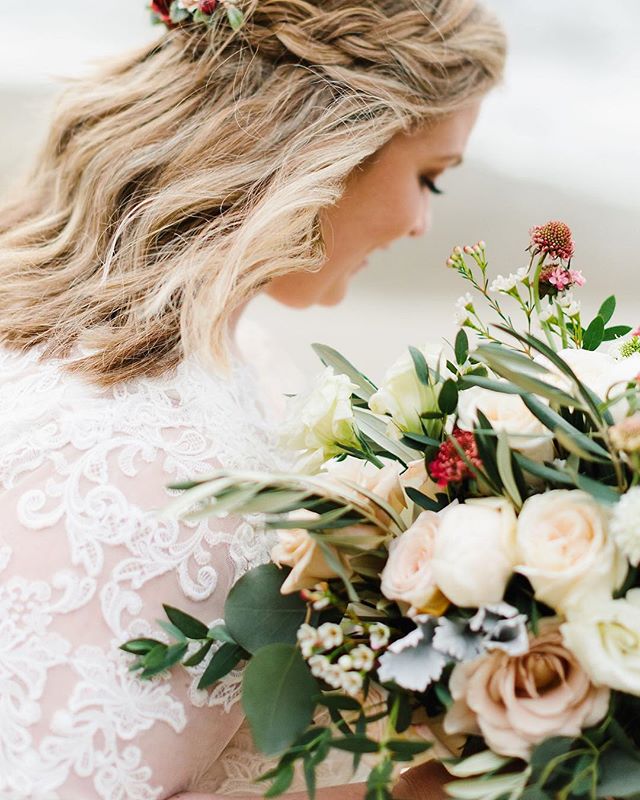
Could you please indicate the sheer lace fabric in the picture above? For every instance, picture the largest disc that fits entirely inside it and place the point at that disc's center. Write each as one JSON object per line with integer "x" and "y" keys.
{"x": 86, "y": 563}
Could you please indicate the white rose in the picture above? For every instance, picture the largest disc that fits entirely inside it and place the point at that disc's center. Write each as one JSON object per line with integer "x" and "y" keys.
{"x": 475, "y": 551}
{"x": 564, "y": 549}
{"x": 319, "y": 422}
{"x": 407, "y": 575}
{"x": 382, "y": 481}
{"x": 507, "y": 412}
{"x": 403, "y": 395}
{"x": 605, "y": 638}
{"x": 601, "y": 372}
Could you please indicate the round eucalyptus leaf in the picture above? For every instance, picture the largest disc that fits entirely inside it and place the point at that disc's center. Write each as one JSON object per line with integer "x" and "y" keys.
{"x": 278, "y": 697}
{"x": 257, "y": 614}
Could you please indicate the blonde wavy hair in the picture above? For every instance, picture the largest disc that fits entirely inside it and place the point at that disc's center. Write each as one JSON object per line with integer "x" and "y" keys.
{"x": 177, "y": 181}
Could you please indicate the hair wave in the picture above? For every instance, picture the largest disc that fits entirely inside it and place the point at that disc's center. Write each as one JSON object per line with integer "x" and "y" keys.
{"x": 178, "y": 180}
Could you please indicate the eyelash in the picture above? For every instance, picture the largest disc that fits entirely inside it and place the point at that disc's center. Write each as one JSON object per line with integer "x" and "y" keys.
{"x": 430, "y": 185}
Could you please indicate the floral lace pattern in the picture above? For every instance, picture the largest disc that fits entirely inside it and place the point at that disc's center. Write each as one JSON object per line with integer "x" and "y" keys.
{"x": 85, "y": 563}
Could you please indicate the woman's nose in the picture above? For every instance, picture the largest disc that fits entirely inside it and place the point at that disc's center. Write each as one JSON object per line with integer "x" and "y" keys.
{"x": 422, "y": 224}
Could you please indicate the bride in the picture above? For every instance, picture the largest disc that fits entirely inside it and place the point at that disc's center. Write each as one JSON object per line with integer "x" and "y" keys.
{"x": 175, "y": 184}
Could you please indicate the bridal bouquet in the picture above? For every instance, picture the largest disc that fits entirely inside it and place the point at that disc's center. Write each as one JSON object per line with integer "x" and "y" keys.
{"x": 454, "y": 571}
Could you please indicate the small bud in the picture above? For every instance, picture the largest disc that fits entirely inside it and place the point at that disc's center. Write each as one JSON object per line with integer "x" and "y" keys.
{"x": 468, "y": 249}
{"x": 457, "y": 250}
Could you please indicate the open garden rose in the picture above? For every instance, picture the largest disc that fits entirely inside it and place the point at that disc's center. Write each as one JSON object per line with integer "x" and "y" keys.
{"x": 605, "y": 638}
{"x": 403, "y": 395}
{"x": 517, "y": 701}
{"x": 475, "y": 551}
{"x": 408, "y": 576}
{"x": 564, "y": 549}
{"x": 297, "y": 549}
{"x": 507, "y": 412}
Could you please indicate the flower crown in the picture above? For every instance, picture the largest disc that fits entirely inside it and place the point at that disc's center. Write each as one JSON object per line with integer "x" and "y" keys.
{"x": 177, "y": 12}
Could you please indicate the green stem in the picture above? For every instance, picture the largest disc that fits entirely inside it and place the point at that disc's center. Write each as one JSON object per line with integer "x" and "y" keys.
{"x": 536, "y": 300}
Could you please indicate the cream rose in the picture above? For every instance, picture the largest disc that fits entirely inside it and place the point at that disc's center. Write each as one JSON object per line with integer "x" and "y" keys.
{"x": 319, "y": 422}
{"x": 383, "y": 482}
{"x": 403, "y": 396}
{"x": 296, "y": 549}
{"x": 515, "y": 702}
{"x": 475, "y": 551}
{"x": 564, "y": 549}
{"x": 605, "y": 638}
{"x": 407, "y": 576}
{"x": 507, "y": 412}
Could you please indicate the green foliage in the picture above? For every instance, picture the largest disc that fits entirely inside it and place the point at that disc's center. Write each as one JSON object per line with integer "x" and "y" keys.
{"x": 461, "y": 347}
{"x": 332, "y": 358}
{"x": 420, "y": 365}
{"x": 448, "y": 397}
{"x": 257, "y": 614}
{"x": 278, "y": 697}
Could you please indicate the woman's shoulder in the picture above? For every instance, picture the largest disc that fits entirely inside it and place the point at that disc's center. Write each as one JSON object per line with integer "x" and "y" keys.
{"x": 192, "y": 415}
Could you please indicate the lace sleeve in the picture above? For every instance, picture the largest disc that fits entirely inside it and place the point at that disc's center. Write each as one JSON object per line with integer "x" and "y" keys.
{"x": 86, "y": 563}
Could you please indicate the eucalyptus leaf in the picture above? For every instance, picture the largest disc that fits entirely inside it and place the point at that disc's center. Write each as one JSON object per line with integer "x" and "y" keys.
{"x": 577, "y": 446}
{"x": 278, "y": 697}
{"x": 619, "y": 774}
{"x": 257, "y": 614}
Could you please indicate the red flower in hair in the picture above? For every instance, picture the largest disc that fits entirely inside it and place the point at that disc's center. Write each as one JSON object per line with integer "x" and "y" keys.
{"x": 161, "y": 9}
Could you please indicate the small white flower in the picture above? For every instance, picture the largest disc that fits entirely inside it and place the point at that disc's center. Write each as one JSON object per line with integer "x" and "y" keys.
{"x": 307, "y": 639}
{"x": 362, "y": 658}
{"x": 318, "y": 665}
{"x": 569, "y": 304}
{"x": 625, "y": 525}
{"x": 546, "y": 314}
{"x": 333, "y": 676}
{"x": 330, "y": 636}
{"x": 464, "y": 305}
{"x": 323, "y": 602}
{"x": 345, "y": 662}
{"x": 351, "y": 682}
{"x": 502, "y": 284}
{"x": 379, "y": 635}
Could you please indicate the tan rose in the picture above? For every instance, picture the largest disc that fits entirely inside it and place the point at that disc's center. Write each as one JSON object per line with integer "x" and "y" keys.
{"x": 564, "y": 549}
{"x": 296, "y": 549}
{"x": 407, "y": 576}
{"x": 515, "y": 702}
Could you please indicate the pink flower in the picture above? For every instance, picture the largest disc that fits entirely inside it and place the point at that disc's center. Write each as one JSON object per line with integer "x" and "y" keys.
{"x": 554, "y": 239}
{"x": 555, "y": 278}
{"x": 577, "y": 278}
{"x": 515, "y": 702}
{"x": 448, "y": 466}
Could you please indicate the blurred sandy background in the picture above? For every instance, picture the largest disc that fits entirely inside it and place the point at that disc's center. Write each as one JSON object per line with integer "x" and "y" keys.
{"x": 558, "y": 140}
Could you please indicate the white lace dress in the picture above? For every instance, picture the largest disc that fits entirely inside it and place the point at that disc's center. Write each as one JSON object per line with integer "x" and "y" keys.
{"x": 85, "y": 564}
